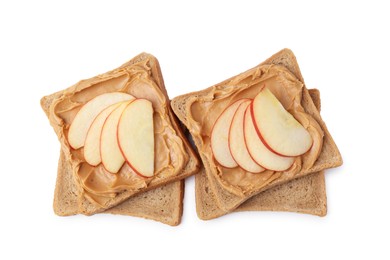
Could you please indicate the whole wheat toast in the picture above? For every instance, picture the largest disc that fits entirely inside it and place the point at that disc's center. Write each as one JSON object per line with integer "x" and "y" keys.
{"x": 150, "y": 64}
{"x": 304, "y": 195}
{"x": 163, "y": 204}
{"x": 329, "y": 155}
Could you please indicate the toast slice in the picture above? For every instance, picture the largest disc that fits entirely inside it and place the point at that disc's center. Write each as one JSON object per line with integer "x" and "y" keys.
{"x": 149, "y": 67}
{"x": 163, "y": 204}
{"x": 227, "y": 200}
{"x": 303, "y": 195}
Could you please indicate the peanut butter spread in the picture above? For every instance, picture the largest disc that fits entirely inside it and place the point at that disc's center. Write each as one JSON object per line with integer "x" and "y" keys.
{"x": 205, "y": 109}
{"x": 98, "y": 184}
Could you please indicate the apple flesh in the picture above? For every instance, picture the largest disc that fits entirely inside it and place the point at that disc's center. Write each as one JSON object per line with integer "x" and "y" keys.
{"x": 237, "y": 144}
{"x": 220, "y": 136}
{"x": 110, "y": 152}
{"x": 82, "y": 122}
{"x": 277, "y": 128}
{"x": 258, "y": 151}
{"x": 136, "y": 136}
{"x": 92, "y": 141}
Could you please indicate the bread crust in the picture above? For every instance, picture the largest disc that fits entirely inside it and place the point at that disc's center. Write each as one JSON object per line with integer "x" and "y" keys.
{"x": 329, "y": 157}
{"x": 68, "y": 199}
{"x": 303, "y": 195}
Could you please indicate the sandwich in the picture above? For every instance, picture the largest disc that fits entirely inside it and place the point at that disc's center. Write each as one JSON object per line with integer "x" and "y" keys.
{"x": 303, "y": 195}
{"x": 120, "y": 139}
{"x": 278, "y": 134}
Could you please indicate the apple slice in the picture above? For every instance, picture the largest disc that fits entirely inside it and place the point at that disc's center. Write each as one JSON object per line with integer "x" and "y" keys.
{"x": 237, "y": 141}
{"x": 84, "y": 118}
{"x": 110, "y": 152}
{"x": 220, "y": 136}
{"x": 277, "y": 128}
{"x": 258, "y": 151}
{"x": 136, "y": 136}
{"x": 92, "y": 141}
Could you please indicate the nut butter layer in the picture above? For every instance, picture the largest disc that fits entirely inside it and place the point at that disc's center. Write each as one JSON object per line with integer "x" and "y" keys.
{"x": 304, "y": 195}
{"x": 205, "y": 109}
{"x": 174, "y": 160}
{"x": 281, "y": 75}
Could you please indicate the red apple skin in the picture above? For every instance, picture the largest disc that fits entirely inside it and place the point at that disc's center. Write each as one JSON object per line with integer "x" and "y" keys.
{"x": 117, "y": 138}
{"x": 251, "y": 119}
{"x": 259, "y": 134}
{"x": 245, "y": 140}
{"x": 215, "y": 160}
{"x": 100, "y": 132}
{"x": 101, "y": 142}
{"x": 136, "y": 172}
{"x": 244, "y": 100}
{"x": 131, "y": 166}
{"x": 230, "y": 127}
{"x": 261, "y": 137}
{"x": 70, "y": 145}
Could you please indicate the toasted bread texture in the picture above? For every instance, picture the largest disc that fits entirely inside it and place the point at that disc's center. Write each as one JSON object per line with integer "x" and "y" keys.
{"x": 163, "y": 204}
{"x": 303, "y": 195}
{"x": 329, "y": 154}
{"x": 75, "y": 202}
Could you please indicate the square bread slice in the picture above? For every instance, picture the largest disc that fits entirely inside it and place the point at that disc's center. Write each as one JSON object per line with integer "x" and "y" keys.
{"x": 150, "y": 68}
{"x": 163, "y": 204}
{"x": 329, "y": 154}
{"x": 303, "y": 195}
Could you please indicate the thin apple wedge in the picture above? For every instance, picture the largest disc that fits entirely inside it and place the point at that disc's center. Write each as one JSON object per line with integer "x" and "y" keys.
{"x": 92, "y": 141}
{"x": 259, "y": 152}
{"x": 110, "y": 152}
{"x": 82, "y": 122}
{"x": 220, "y": 136}
{"x": 136, "y": 136}
{"x": 277, "y": 128}
{"x": 237, "y": 144}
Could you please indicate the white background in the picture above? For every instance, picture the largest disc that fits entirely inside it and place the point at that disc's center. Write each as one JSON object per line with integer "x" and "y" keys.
{"x": 342, "y": 48}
